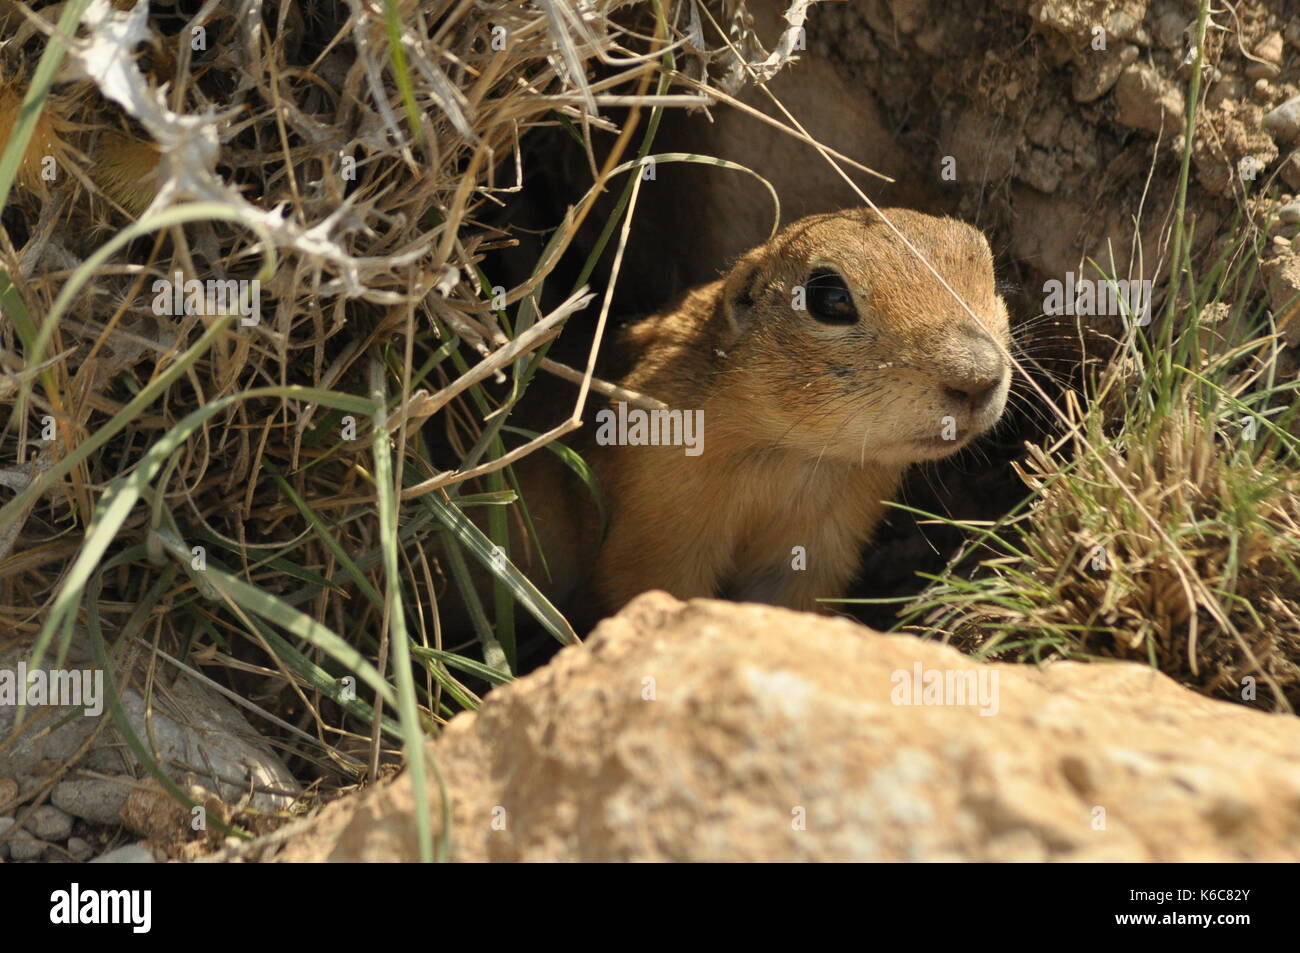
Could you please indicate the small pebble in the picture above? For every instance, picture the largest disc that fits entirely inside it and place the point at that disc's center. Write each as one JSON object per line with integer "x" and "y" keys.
{"x": 49, "y": 823}
{"x": 23, "y": 847}
{"x": 91, "y": 799}
{"x": 1290, "y": 213}
{"x": 1290, "y": 170}
{"x": 1169, "y": 30}
{"x": 1270, "y": 48}
{"x": 80, "y": 849}
{"x": 1284, "y": 121}
{"x": 1227, "y": 88}
{"x": 130, "y": 854}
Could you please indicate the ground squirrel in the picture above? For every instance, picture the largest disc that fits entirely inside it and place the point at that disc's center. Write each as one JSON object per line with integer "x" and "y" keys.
{"x": 820, "y": 367}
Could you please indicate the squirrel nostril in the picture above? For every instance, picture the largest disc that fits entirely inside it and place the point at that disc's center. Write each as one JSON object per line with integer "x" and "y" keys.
{"x": 976, "y": 393}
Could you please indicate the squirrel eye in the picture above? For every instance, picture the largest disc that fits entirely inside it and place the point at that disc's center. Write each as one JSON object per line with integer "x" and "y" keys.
{"x": 829, "y": 299}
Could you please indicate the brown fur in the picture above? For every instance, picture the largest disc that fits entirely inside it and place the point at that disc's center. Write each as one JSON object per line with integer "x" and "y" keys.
{"x": 807, "y": 426}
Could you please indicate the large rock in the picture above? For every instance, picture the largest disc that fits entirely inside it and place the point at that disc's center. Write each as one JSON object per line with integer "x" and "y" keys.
{"x": 710, "y": 731}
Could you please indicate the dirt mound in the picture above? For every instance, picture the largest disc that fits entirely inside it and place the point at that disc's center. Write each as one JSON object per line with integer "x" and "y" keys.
{"x": 1065, "y": 119}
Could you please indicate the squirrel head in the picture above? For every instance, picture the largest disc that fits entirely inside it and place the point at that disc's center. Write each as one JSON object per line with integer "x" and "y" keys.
{"x": 837, "y": 339}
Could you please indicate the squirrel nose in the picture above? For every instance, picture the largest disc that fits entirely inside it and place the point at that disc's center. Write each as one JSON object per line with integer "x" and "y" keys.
{"x": 975, "y": 379}
{"x": 975, "y": 393}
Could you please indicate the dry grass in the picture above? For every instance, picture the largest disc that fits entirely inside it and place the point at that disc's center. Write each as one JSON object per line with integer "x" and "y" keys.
{"x": 1163, "y": 525}
{"x": 259, "y": 496}
{"x": 1198, "y": 425}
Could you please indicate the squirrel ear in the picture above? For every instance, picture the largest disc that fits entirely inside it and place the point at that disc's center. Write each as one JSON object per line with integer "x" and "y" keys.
{"x": 737, "y": 304}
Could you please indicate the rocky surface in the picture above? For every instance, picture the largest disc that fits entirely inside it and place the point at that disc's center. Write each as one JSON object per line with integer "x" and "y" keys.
{"x": 713, "y": 731}
{"x": 67, "y": 772}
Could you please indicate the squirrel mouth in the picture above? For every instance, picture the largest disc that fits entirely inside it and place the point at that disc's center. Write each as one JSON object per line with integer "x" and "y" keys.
{"x": 935, "y": 447}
